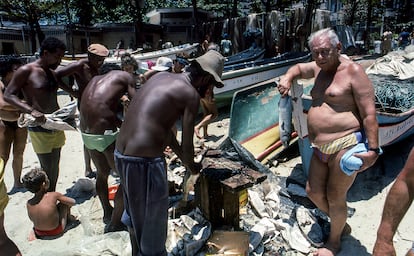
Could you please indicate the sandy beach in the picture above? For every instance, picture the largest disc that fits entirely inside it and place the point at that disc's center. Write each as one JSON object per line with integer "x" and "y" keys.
{"x": 367, "y": 196}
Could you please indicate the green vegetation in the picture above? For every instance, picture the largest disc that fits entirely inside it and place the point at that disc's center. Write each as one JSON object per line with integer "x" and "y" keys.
{"x": 89, "y": 12}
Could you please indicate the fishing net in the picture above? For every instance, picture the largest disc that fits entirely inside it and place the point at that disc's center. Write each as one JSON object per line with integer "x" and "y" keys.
{"x": 393, "y": 95}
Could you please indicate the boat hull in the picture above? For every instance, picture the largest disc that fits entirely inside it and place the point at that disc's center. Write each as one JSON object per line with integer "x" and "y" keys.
{"x": 250, "y": 73}
{"x": 172, "y": 52}
{"x": 245, "y": 56}
{"x": 254, "y": 120}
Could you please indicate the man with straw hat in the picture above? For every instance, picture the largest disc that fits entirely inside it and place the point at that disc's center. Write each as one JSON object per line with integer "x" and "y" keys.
{"x": 144, "y": 134}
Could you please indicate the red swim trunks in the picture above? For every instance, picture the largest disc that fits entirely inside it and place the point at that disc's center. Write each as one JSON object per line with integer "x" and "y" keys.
{"x": 54, "y": 232}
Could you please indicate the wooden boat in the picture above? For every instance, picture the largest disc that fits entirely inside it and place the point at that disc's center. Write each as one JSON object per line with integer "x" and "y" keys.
{"x": 142, "y": 57}
{"x": 249, "y": 54}
{"x": 254, "y": 120}
{"x": 242, "y": 75}
{"x": 394, "y": 126}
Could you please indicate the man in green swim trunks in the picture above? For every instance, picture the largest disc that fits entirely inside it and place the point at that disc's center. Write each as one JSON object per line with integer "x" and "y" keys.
{"x": 37, "y": 82}
{"x": 99, "y": 122}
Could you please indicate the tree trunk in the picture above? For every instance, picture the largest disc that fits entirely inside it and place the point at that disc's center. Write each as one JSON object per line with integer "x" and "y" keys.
{"x": 234, "y": 9}
{"x": 139, "y": 39}
{"x": 268, "y": 7}
{"x": 32, "y": 35}
{"x": 368, "y": 25}
{"x": 40, "y": 35}
{"x": 354, "y": 7}
{"x": 308, "y": 17}
{"x": 195, "y": 34}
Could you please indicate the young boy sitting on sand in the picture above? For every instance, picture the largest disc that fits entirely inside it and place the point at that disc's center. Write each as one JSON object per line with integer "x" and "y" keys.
{"x": 49, "y": 211}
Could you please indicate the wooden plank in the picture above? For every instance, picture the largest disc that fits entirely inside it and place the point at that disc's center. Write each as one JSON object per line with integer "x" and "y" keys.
{"x": 231, "y": 206}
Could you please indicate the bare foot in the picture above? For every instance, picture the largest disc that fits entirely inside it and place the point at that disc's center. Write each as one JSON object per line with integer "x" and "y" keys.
{"x": 197, "y": 132}
{"x": 324, "y": 252}
{"x": 31, "y": 236}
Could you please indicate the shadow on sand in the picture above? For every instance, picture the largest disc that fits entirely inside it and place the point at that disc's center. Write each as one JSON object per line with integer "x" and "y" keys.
{"x": 354, "y": 247}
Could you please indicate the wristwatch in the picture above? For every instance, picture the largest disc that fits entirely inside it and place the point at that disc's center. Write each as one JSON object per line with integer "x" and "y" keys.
{"x": 376, "y": 150}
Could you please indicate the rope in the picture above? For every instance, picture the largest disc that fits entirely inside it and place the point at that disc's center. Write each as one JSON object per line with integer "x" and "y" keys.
{"x": 393, "y": 94}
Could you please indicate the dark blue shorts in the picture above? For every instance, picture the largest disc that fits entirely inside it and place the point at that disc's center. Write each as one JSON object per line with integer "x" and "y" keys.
{"x": 146, "y": 200}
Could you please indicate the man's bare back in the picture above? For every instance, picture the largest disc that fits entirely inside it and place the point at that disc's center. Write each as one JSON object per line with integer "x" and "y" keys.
{"x": 101, "y": 104}
{"x": 147, "y": 135}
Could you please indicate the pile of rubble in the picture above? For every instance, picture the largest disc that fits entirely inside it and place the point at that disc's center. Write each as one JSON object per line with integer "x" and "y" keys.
{"x": 276, "y": 219}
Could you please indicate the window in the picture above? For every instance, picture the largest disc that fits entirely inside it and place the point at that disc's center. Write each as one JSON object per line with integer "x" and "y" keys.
{"x": 7, "y": 48}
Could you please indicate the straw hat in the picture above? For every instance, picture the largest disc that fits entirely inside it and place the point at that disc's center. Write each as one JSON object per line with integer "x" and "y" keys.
{"x": 163, "y": 64}
{"x": 98, "y": 50}
{"x": 213, "y": 63}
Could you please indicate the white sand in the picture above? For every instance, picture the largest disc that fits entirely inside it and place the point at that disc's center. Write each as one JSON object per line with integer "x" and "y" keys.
{"x": 88, "y": 238}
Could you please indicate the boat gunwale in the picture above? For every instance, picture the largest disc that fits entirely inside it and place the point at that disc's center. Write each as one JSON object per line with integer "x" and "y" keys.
{"x": 262, "y": 67}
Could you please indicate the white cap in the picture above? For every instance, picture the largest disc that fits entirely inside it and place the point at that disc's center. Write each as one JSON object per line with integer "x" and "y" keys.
{"x": 163, "y": 64}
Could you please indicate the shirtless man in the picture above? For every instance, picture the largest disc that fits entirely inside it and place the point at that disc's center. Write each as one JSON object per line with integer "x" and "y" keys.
{"x": 37, "y": 82}
{"x": 145, "y": 133}
{"x": 397, "y": 203}
{"x": 10, "y": 132}
{"x": 205, "y": 43}
{"x": 342, "y": 113}
{"x": 83, "y": 71}
{"x": 99, "y": 122}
